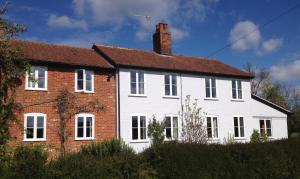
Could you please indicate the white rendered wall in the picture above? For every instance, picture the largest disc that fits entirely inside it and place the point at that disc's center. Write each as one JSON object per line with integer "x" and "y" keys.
{"x": 154, "y": 103}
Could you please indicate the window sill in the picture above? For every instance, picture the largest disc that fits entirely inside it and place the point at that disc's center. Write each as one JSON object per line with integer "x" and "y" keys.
{"x": 139, "y": 141}
{"x": 171, "y": 97}
{"x": 36, "y": 89}
{"x": 85, "y": 92}
{"x": 211, "y": 99}
{"x": 34, "y": 140}
{"x": 237, "y": 100}
{"x": 84, "y": 139}
{"x": 137, "y": 95}
{"x": 240, "y": 138}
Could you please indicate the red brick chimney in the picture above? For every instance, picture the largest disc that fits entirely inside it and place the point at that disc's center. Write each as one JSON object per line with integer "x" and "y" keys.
{"x": 162, "y": 42}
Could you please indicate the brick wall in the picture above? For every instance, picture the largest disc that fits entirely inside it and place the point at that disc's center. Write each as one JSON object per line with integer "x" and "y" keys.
{"x": 59, "y": 78}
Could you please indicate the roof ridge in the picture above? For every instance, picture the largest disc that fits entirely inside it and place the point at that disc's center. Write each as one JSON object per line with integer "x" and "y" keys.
{"x": 50, "y": 44}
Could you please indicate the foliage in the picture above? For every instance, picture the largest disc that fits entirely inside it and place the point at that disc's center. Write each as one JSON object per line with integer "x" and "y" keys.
{"x": 106, "y": 148}
{"x": 294, "y": 123}
{"x": 12, "y": 69}
{"x": 257, "y": 137}
{"x": 278, "y": 159}
{"x": 67, "y": 106}
{"x": 156, "y": 131}
{"x": 274, "y": 94}
{"x": 229, "y": 140}
{"x": 27, "y": 162}
{"x": 193, "y": 125}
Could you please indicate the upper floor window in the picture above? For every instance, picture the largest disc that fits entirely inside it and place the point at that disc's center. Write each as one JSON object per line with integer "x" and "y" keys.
{"x": 139, "y": 128}
{"x": 237, "y": 89}
{"x": 84, "y": 81}
{"x": 210, "y": 88}
{"x": 265, "y": 127}
{"x": 212, "y": 127}
{"x": 35, "y": 127}
{"x": 37, "y": 79}
{"x": 170, "y": 85}
{"x": 238, "y": 127}
{"x": 84, "y": 126}
{"x": 171, "y": 127}
{"x": 137, "y": 83}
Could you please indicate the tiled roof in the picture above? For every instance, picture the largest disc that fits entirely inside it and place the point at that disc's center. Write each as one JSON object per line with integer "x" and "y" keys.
{"x": 124, "y": 57}
{"x": 43, "y": 52}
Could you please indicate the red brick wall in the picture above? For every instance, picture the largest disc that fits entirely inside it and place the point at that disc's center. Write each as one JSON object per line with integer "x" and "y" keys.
{"x": 59, "y": 78}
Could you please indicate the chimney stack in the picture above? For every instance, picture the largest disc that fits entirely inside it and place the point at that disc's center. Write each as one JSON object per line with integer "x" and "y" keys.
{"x": 162, "y": 42}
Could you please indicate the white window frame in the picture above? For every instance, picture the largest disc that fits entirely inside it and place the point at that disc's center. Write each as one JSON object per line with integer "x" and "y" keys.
{"x": 35, "y": 115}
{"x": 28, "y": 81}
{"x": 172, "y": 128}
{"x": 265, "y": 128}
{"x": 213, "y": 127}
{"x": 137, "y": 83}
{"x": 139, "y": 115}
{"x": 210, "y": 88}
{"x": 170, "y": 83}
{"x": 239, "y": 127}
{"x": 85, "y": 115}
{"x": 236, "y": 81}
{"x": 84, "y": 81}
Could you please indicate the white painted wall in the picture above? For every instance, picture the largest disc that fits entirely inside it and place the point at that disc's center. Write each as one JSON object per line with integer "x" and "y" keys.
{"x": 154, "y": 103}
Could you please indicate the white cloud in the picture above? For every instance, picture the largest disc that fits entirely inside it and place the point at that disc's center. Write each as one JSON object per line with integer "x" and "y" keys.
{"x": 287, "y": 71}
{"x": 272, "y": 45}
{"x": 178, "y": 13}
{"x": 66, "y": 22}
{"x": 178, "y": 34}
{"x": 240, "y": 39}
{"x": 245, "y": 35}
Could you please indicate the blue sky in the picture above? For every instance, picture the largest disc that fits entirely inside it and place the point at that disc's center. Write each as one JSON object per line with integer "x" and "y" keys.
{"x": 199, "y": 27}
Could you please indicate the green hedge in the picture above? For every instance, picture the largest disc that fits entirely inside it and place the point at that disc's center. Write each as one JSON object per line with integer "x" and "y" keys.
{"x": 278, "y": 159}
{"x": 113, "y": 159}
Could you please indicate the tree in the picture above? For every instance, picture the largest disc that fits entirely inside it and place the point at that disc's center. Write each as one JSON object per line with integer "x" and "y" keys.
{"x": 193, "y": 123}
{"x": 13, "y": 67}
{"x": 156, "y": 132}
{"x": 67, "y": 107}
{"x": 274, "y": 93}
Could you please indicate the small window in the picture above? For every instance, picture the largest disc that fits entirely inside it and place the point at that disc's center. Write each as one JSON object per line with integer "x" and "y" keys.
{"x": 37, "y": 78}
{"x": 137, "y": 83}
{"x": 238, "y": 127}
{"x": 84, "y": 81}
{"x": 139, "y": 127}
{"x": 212, "y": 127}
{"x": 84, "y": 126}
{"x": 237, "y": 89}
{"x": 265, "y": 127}
{"x": 171, "y": 127}
{"x": 210, "y": 88}
{"x": 35, "y": 127}
{"x": 170, "y": 85}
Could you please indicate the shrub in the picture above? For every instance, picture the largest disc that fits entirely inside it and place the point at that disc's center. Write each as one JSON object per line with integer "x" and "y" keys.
{"x": 256, "y": 137}
{"x": 106, "y": 148}
{"x": 156, "y": 132}
{"x": 27, "y": 162}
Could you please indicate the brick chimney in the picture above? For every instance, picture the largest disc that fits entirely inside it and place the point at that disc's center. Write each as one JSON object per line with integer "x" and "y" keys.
{"x": 162, "y": 42}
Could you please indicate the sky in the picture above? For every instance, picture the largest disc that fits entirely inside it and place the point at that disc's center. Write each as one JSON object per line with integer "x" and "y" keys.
{"x": 198, "y": 27}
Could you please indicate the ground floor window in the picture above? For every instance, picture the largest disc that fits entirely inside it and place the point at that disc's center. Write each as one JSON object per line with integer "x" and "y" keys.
{"x": 139, "y": 127}
{"x": 265, "y": 127}
{"x": 212, "y": 127}
{"x": 238, "y": 126}
{"x": 84, "y": 126}
{"x": 171, "y": 127}
{"x": 35, "y": 127}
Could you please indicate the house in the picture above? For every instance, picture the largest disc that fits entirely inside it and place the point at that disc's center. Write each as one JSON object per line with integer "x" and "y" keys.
{"x": 55, "y": 68}
{"x": 135, "y": 85}
{"x": 157, "y": 83}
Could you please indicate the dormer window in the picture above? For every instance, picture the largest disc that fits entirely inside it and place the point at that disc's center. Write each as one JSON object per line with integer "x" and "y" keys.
{"x": 84, "y": 81}
{"x": 37, "y": 78}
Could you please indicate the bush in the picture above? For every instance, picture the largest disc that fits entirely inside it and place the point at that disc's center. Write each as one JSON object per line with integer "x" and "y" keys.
{"x": 106, "y": 148}
{"x": 256, "y": 137}
{"x": 278, "y": 159}
{"x": 27, "y": 162}
{"x": 156, "y": 131}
